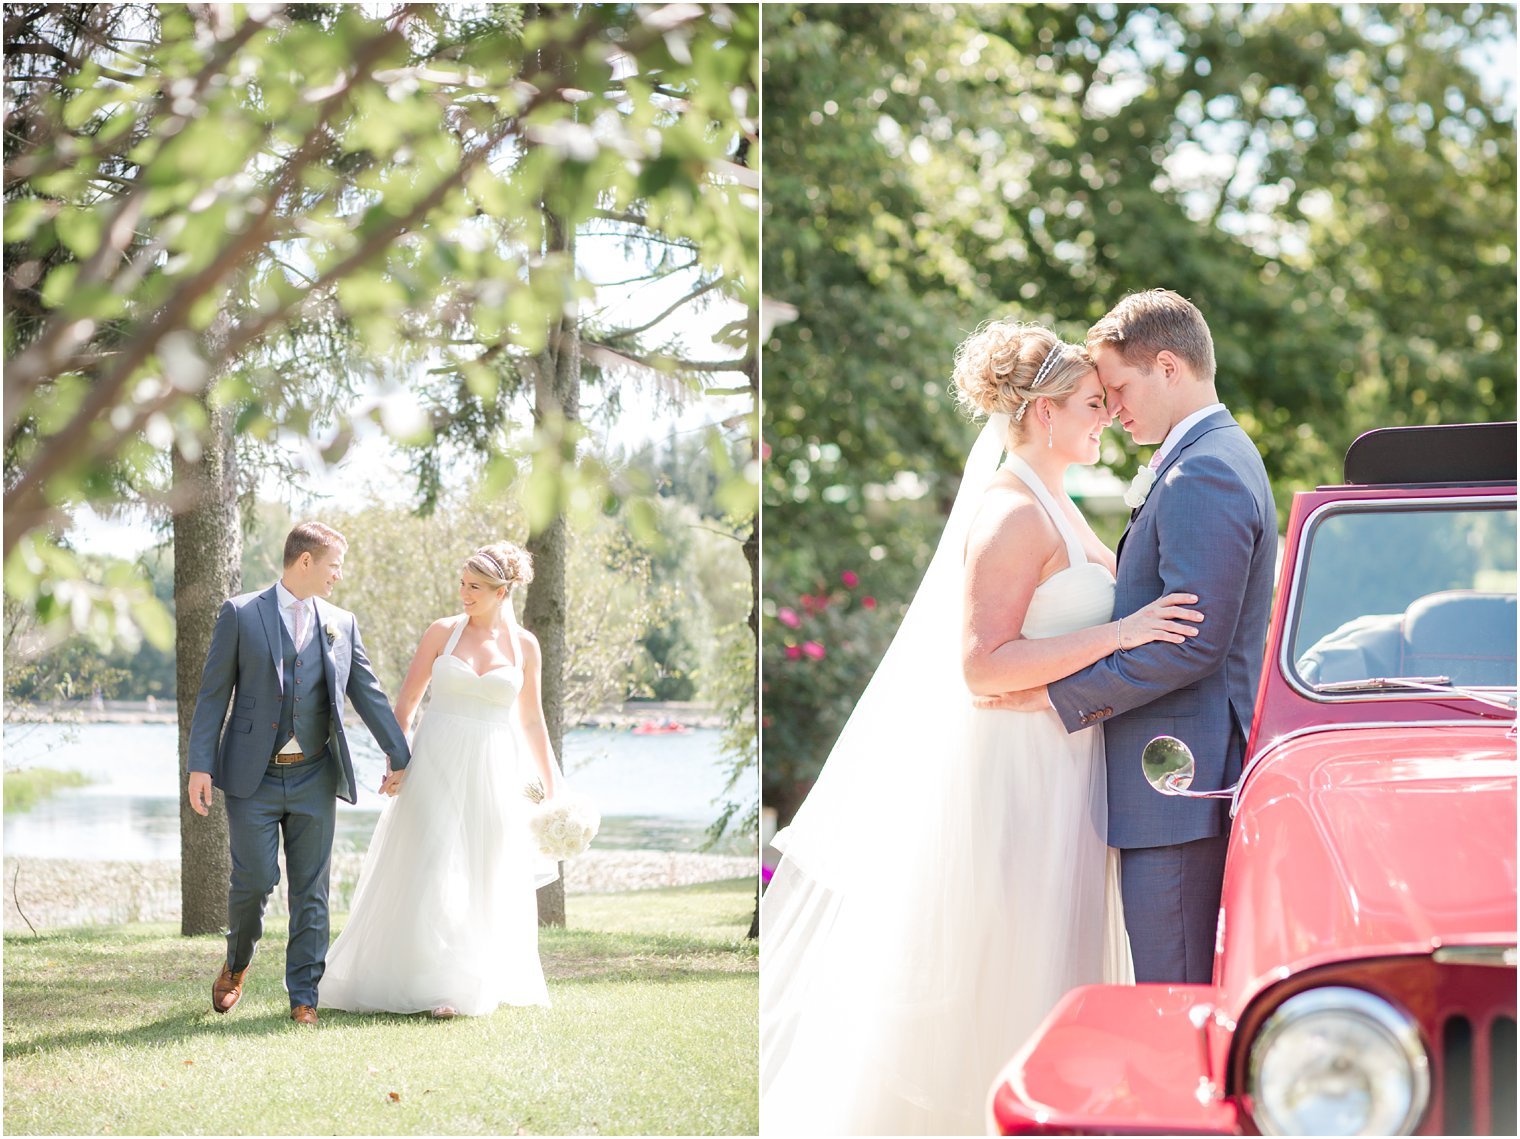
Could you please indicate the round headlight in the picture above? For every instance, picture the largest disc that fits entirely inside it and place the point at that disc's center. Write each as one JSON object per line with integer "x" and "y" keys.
{"x": 1338, "y": 1061}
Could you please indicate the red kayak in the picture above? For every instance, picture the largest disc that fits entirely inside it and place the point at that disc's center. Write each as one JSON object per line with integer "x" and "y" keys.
{"x": 658, "y": 728}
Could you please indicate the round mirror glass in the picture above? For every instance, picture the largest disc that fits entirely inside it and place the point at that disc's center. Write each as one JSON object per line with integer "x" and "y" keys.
{"x": 1168, "y": 765}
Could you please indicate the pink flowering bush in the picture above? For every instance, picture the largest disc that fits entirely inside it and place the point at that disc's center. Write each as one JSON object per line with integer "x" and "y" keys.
{"x": 820, "y": 649}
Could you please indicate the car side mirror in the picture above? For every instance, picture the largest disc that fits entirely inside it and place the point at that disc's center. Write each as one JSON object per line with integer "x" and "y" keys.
{"x": 1168, "y": 765}
{"x": 1169, "y": 768}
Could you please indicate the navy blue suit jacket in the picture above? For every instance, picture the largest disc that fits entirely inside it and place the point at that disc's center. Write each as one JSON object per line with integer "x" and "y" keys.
{"x": 244, "y": 668}
{"x": 1208, "y": 527}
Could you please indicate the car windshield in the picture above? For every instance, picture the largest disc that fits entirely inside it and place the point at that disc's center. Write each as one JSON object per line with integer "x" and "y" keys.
{"x": 1421, "y": 591}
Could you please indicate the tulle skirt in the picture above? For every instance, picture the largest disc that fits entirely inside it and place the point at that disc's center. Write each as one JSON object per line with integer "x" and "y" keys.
{"x": 892, "y": 997}
{"x": 445, "y": 911}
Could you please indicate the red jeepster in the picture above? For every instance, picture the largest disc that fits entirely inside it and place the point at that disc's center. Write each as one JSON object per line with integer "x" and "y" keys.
{"x": 1364, "y": 974}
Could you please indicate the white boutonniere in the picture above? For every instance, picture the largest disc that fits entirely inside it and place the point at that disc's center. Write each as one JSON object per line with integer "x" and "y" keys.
{"x": 1140, "y": 489}
{"x": 332, "y": 634}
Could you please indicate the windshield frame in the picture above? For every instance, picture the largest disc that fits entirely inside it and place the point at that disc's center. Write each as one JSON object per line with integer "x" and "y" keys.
{"x": 1292, "y": 611}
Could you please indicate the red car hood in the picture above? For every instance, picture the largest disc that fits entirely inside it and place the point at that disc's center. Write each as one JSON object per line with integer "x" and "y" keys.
{"x": 1366, "y": 842}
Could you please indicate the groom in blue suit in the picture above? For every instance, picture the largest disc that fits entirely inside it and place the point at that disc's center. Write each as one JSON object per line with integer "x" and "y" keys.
{"x": 1206, "y": 525}
{"x": 283, "y": 660}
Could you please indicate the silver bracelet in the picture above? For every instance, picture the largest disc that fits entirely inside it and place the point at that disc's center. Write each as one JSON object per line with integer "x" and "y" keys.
{"x": 1119, "y": 635}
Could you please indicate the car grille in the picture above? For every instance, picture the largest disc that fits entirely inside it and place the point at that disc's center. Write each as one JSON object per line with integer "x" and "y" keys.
{"x": 1477, "y": 1077}
{"x": 1464, "y": 1002}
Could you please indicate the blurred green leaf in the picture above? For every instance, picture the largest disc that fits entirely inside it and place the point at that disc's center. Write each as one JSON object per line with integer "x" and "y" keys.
{"x": 644, "y": 521}
{"x": 59, "y": 284}
{"x": 24, "y": 216}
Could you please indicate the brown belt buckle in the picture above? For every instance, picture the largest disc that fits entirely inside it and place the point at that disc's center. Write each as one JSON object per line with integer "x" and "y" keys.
{"x": 285, "y": 759}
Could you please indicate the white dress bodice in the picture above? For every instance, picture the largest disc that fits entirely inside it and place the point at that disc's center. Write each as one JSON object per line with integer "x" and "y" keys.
{"x": 459, "y": 691}
{"x": 1073, "y": 598}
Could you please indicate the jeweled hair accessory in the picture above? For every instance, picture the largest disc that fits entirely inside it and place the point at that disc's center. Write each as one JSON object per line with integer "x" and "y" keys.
{"x": 501, "y": 570}
{"x": 1052, "y": 358}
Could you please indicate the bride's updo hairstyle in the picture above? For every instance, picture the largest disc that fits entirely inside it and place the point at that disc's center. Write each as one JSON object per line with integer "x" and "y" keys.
{"x": 1005, "y": 366}
{"x": 501, "y": 564}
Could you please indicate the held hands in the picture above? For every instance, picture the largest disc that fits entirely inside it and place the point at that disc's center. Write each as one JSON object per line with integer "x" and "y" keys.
{"x": 1164, "y": 619}
{"x": 200, "y": 792}
{"x": 391, "y": 784}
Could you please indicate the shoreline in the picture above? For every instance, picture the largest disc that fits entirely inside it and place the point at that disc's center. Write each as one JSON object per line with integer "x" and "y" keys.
{"x": 61, "y": 893}
{"x": 619, "y": 717}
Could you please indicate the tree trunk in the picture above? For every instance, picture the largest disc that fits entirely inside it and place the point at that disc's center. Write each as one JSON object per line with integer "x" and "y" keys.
{"x": 556, "y": 410}
{"x": 207, "y": 551}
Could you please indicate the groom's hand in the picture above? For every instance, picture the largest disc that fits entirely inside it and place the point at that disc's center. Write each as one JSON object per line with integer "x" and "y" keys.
{"x": 200, "y": 792}
{"x": 1027, "y": 700}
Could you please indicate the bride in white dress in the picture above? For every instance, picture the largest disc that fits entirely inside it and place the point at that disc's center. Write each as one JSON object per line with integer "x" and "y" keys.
{"x": 947, "y": 879}
{"x": 445, "y": 917}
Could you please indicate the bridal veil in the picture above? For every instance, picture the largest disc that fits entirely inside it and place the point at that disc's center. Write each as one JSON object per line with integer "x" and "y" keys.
{"x": 942, "y": 885}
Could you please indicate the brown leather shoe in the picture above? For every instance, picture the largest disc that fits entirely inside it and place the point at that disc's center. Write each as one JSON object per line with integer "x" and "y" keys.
{"x": 304, "y": 1014}
{"x": 227, "y": 982}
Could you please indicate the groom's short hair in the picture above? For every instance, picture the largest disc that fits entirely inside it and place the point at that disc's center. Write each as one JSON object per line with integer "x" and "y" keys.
{"x": 1156, "y": 320}
{"x": 312, "y": 538}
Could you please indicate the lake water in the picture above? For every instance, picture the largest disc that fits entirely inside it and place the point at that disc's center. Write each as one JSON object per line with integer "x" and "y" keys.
{"x": 654, "y": 792}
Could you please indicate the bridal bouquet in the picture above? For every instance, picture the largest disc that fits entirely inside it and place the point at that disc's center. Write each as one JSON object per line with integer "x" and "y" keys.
{"x": 563, "y": 826}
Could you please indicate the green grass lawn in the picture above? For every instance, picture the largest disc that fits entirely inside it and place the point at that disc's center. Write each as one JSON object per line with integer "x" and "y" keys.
{"x": 27, "y": 787}
{"x": 653, "y": 1031}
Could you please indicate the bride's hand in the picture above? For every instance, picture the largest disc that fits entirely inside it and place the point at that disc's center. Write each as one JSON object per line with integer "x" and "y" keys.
{"x": 1165, "y": 619}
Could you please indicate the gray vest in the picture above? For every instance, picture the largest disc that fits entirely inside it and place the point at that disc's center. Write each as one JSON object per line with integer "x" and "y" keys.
{"x": 303, "y": 706}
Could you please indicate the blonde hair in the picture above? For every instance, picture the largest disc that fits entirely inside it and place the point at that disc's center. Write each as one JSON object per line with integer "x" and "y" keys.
{"x": 997, "y": 366}
{"x": 1157, "y": 320}
{"x": 501, "y": 564}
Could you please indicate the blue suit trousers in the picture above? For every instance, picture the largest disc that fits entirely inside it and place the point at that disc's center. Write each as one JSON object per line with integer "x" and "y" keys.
{"x": 300, "y": 802}
{"x": 1171, "y": 906}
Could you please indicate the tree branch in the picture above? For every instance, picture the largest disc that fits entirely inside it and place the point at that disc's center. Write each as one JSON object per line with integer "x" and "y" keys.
{"x": 21, "y": 499}
{"x": 29, "y": 165}
{"x": 671, "y": 363}
{"x": 39, "y": 360}
{"x": 53, "y": 51}
{"x": 624, "y": 216}
{"x": 60, "y": 336}
{"x": 687, "y": 299}
{"x": 1224, "y": 189}
{"x": 80, "y": 440}
{"x": 657, "y": 275}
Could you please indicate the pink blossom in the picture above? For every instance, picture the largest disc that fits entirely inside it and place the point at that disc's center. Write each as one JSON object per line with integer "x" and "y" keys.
{"x": 793, "y": 652}
{"x": 813, "y": 649}
{"x": 850, "y": 578}
{"x": 788, "y": 617}
{"x": 868, "y": 603}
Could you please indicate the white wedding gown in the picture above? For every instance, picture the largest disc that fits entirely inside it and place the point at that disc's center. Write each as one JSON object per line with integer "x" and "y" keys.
{"x": 445, "y": 911}
{"x": 892, "y": 994}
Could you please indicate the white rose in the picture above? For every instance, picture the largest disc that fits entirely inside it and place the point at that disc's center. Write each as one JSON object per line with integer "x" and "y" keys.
{"x": 1140, "y": 488}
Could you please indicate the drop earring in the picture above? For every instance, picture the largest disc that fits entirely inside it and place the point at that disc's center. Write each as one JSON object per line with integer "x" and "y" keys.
{"x": 1050, "y": 437}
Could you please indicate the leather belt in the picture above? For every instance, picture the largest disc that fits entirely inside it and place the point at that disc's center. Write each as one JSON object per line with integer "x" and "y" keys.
{"x": 286, "y": 758}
